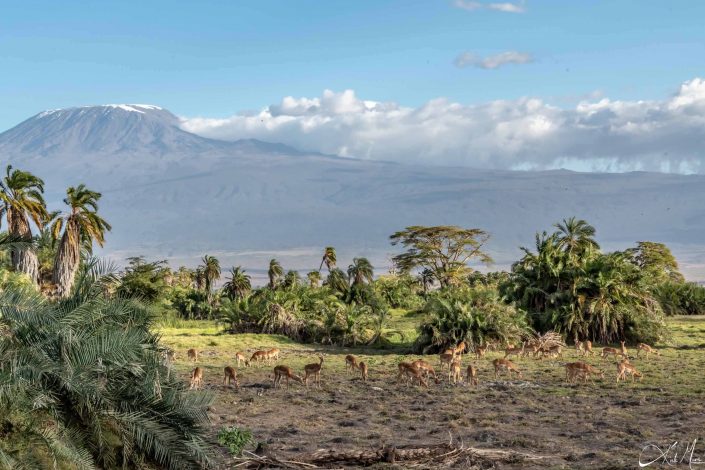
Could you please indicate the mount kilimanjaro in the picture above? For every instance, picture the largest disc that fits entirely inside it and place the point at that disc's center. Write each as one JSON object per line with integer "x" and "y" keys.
{"x": 172, "y": 194}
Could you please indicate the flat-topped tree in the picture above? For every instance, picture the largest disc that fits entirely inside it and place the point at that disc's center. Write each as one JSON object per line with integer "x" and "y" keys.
{"x": 81, "y": 227}
{"x": 444, "y": 250}
{"x": 21, "y": 200}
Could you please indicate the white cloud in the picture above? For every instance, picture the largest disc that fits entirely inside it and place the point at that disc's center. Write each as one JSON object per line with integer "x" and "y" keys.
{"x": 491, "y": 62}
{"x": 528, "y": 133}
{"x": 507, "y": 7}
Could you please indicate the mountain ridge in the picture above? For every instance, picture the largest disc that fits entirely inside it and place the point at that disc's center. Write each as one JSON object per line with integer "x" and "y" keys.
{"x": 171, "y": 194}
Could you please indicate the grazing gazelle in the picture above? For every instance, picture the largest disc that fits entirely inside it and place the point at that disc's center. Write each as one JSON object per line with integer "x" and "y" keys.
{"x": 480, "y": 351}
{"x": 350, "y": 363}
{"x": 426, "y": 368}
{"x": 196, "y": 378}
{"x": 606, "y": 352}
{"x": 272, "y": 354}
{"x": 315, "y": 371}
{"x": 230, "y": 376}
{"x": 363, "y": 371}
{"x": 192, "y": 355}
{"x": 646, "y": 349}
{"x": 408, "y": 371}
{"x": 284, "y": 371}
{"x": 471, "y": 376}
{"x": 505, "y": 364}
{"x": 624, "y": 368}
{"x": 258, "y": 356}
{"x": 241, "y": 358}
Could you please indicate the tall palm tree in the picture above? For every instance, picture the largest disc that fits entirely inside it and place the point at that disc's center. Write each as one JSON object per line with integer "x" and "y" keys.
{"x": 314, "y": 278}
{"x": 360, "y": 270}
{"x": 576, "y": 238}
{"x": 22, "y": 200}
{"x": 81, "y": 224}
{"x": 211, "y": 273}
{"x": 329, "y": 259}
{"x": 238, "y": 284}
{"x": 275, "y": 273}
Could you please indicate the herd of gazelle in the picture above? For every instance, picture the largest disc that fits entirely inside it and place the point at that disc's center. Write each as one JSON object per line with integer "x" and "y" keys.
{"x": 419, "y": 371}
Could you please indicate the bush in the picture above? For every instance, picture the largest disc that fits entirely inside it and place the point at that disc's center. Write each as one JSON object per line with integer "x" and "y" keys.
{"x": 474, "y": 315}
{"x": 234, "y": 439}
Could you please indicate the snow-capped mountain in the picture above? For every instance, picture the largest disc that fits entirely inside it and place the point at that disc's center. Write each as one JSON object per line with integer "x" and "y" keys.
{"x": 171, "y": 194}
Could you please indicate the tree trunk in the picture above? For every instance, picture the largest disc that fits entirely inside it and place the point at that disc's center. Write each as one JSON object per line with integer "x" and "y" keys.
{"x": 67, "y": 259}
{"x": 23, "y": 260}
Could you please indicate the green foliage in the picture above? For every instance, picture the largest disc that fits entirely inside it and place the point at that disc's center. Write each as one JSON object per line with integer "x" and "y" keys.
{"x": 84, "y": 384}
{"x": 444, "y": 251}
{"x": 681, "y": 298}
{"x": 235, "y": 439}
{"x": 474, "y": 315}
{"x": 143, "y": 280}
{"x": 400, "y": 291}
{"x": 568, "y": 285}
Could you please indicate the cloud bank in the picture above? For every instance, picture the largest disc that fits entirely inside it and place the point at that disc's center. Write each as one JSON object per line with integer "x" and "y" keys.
{"x": 595, "y": 135}
{"x": 506, "y": 7}
{"x": 491, "y": 62}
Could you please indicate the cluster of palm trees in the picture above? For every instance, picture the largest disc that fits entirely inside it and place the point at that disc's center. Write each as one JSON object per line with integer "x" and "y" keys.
{"x": 567, "y": 283}
{"x": 72, "y": 233}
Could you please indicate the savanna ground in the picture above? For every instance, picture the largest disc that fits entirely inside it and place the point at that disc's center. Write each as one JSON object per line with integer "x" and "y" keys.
{"x": 595, "y": 425}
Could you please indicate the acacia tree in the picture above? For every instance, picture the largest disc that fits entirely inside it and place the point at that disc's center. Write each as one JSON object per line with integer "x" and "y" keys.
{"x": 21, "y": 200}
{"x": 81, "y": 225}
{"x": 444, "y": 250}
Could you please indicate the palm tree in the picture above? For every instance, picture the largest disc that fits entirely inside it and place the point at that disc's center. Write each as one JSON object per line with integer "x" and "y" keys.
{"x": 211, "y": 273}
{"x": 238, "y": 285}
{"x": 576, "y": 238}
{"x": 314, "y": 278}
{"x": 275, "y": 272}
{"x": 329, "y": 259}
{"x": 338, "y": 281}
{"x": 22, "y": 200}
{"x": 88, "y": 387}
{"x": 360, "y": 270}
{"x": 80, "y": 225}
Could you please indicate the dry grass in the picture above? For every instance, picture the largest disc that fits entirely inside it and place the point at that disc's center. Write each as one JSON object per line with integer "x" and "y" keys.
{"x": 600, "y": 424}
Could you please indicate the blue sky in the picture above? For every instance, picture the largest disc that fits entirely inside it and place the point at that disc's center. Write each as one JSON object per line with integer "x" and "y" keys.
{"x": 215, "y": 58}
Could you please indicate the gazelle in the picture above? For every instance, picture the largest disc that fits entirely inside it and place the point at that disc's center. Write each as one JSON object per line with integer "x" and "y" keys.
{"x": 273, "y": 354}
{"x": 606, "y": 352}
{"x": 514, "y": 350}
{"x": 315, "y": 371}
{"x": 624, "y": 368}
{"x": 192, "y": 355}
{"x": 350, "y": 363}
{"x": 587, "y": 347}
{"x": 230, "y": 375}
{"x": 556, "y": 350}
{"x": 454, "y": 375}
{"x": 196, "y": 378}
{"x": 480, "y": 351}
{"x": 363, "y": 371}
{"x": 258, "y": 356}
{"x": 284, "y": 371}
{"x": 646, "y": 349}
{"x": 624, "y": 350}
{"x": 241, "y": 358}
{"x": 460, "y": 348}
{"x": 471, "y": 375}
{"x": 426, "y": 368}
{"x": 579, "y": 348}
{"x": 585, "y": 371}
{"x": 507, "y": 365}
{"x": 445, "y": 358}
{"x": 408, "y": 371}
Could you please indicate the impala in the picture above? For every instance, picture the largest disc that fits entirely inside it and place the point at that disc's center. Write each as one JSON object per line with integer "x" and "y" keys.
{"x": 230, "y": 375}
{"x": 505, "y": 364}
{"x": 284, "y": 371}
{"x": 315, "y": 371}
{"x": 196, "y": 378}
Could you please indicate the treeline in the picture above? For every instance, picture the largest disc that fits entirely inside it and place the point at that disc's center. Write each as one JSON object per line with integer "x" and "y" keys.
{"x": 564, "y": 283}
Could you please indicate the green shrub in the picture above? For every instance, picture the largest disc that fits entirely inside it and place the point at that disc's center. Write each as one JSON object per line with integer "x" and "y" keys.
{"x": 235, "y": 439}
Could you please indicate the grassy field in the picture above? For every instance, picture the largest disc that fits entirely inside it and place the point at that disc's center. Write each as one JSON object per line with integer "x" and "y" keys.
{"x": 594, "y": 425}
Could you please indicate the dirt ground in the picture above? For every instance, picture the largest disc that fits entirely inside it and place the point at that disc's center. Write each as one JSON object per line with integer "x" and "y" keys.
{"x": 601, "y": 425}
